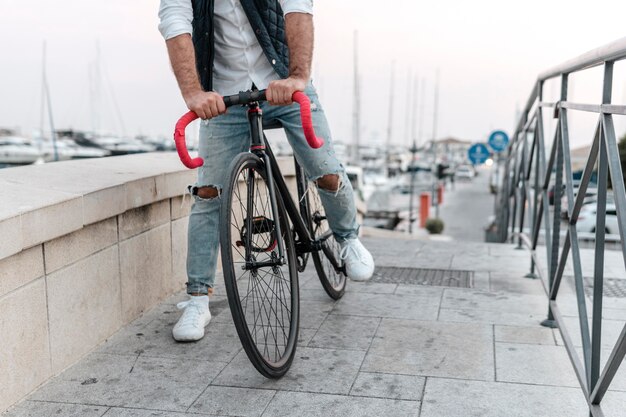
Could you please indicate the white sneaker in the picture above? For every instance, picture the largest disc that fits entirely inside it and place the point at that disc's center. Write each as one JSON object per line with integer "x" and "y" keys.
{"x": 196, "y": 315}
{"x": 357, "y": 260}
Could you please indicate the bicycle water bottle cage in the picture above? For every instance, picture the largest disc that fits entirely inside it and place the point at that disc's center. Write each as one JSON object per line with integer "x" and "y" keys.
{"x": 260, "y": 225}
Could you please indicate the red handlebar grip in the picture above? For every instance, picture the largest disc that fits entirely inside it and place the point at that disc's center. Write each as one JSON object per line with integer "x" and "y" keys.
{"x": 307, "y": 121}
{"x": 181, "y": 145}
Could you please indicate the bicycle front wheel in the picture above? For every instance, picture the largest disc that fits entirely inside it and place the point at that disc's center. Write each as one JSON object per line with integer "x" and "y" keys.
{"x": 327, "y": 261}
{"x": 262, "y": 288}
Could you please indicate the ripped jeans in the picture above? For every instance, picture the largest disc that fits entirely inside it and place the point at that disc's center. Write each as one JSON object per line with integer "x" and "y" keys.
{"x": 221, "y": 139}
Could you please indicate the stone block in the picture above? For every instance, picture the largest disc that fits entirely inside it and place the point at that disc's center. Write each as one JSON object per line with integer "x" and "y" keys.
{"x": 141, "y": 219}
{"x": 20, "y": 269}
{"x": 181, "y": 206}
{"x": 84, "y": 304}
{"x": 432, "y": 349}
{"x": 469, "y": 315}
{"x": 105, "y": 203}
{"x": 413, "y": 307}
{"x": 220, "y": 343}
{"x": 397, "y": 387}
{"x": 313, "y": 370}
{"x": 316, "y": 405}
{"x": 173, "y": 184}
{"x": 535, "y": 335}
{"x": 145, "y": 264}
{"x": 141, "y": 192}
{"x": 179, "y": 253}
{"x": 52, "y": 221}
{"x": 345, "y": 332}
{"x": 24, "y": 345}
{"x": 454, "y": 398}
{"x": 75, "y": 246}
{"x": 11, "y": 231}
{"x": 135, "y": 412}
{"x": 229, "y": 401}
{"x": 534, "y": 364}
{"x": 45, "y": 409}
{"x": 131, "y": 381}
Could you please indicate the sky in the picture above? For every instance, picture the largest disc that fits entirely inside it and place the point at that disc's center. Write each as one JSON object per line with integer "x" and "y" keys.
{"x": 487, "y": 54}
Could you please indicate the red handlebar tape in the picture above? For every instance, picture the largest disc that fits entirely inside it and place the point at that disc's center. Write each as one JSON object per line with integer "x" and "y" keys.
{"x": 305, "y": 116}
{"x": 179, "y": 140}
{"x": 307, "y": 121}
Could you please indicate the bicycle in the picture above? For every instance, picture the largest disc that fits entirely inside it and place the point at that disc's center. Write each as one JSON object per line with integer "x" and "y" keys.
{"x": 269, "y": 237}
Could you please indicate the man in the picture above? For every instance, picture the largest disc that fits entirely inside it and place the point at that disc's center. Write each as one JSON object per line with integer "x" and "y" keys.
{"x": 221, "y": 47}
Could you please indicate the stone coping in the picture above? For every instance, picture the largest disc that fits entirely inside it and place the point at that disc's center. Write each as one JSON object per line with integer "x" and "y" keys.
{"x": 42, "y": 202}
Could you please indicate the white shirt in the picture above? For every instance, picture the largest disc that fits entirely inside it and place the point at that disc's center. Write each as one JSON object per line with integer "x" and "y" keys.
{"x": 239, "y": 59}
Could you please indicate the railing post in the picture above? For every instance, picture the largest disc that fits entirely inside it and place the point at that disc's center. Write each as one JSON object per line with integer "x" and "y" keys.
{"x": 556, "y": 223}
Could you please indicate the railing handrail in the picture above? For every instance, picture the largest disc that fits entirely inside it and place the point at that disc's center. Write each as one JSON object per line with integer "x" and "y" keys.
{"x": 529, "y": 173}
{"x": 613, "y": 51}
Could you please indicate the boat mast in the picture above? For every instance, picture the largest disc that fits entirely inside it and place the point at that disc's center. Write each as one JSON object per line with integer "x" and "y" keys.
{"x": 356, "y": 132}
{"x": 390, "y": 119}
{"x": 46, "y": 91}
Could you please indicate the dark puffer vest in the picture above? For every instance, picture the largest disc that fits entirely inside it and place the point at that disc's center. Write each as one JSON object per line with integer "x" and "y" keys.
{"x": 267, "y": 21}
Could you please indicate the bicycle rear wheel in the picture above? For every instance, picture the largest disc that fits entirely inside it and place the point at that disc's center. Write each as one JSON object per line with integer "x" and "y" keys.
{"x": 327, "y": 261}
{"x": 262, "y": 294}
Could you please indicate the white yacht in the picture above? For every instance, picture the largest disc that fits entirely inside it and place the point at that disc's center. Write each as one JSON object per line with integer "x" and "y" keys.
{"x": 15, "y": 150}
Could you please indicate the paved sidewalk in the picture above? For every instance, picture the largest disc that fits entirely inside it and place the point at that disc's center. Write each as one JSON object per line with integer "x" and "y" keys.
{"x": 386, "y": 349}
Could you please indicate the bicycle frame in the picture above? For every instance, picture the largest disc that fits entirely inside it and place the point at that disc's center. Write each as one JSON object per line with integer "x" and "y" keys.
{"x": 304, "y": 241}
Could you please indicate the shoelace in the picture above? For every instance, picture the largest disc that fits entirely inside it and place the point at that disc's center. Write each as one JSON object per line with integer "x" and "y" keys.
{"x": 191, "y": 314}
{"x": 350, "y": 247}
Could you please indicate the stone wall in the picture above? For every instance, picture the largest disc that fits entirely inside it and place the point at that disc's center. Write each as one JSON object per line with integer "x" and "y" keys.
{"x": 85, "y": 248}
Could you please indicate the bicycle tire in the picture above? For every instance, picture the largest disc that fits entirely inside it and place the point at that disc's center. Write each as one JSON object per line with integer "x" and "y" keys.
{"x": 267, "y": 290}
{"x": 333, "y": 279}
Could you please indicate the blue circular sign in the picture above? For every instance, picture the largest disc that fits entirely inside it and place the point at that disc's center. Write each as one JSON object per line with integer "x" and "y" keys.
{"x": 478, "y": 153}
{"x": 498, "y": 140}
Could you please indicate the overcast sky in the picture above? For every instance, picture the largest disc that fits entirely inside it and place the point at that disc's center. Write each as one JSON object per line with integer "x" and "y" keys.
{"x": 488, "y": 54}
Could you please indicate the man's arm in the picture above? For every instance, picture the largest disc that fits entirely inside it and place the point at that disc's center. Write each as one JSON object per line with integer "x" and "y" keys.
{"x": 300, "y": 34}
{"x": 182, "y": 56}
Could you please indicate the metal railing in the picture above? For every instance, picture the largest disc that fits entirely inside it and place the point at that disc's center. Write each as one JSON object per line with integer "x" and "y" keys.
{"x": 530, "y": 171}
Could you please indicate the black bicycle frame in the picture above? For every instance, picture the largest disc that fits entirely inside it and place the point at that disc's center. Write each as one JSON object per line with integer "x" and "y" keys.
{"x": 304, "y": 241}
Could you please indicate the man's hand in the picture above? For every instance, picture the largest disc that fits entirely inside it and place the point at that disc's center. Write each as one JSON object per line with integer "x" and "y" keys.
{"x": 205, "y": 105}
{"x": 279, "y": 92}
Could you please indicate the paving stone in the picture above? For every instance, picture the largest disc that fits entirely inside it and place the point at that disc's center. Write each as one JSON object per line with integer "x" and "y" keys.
{"x": 345, "y": 332}
{"x": 372, "y": 287}
{"x": 313, "y": 313}
{"x": 220, "y": 343}
{"x": 46, "y": 409}
{"x": 534, "y": 364}
{"x": 131, "y": 412}
{"x": 491, "y": 317}
{"x": 456, "y": 398}
{"x": 536, "y": 335}
{"x": 515, "y": 283}
{"x": 132, "y": 381}
{"x": 245, "y": 402}
{"x": 431, "y": 294}
{"x": 401, "y": 306}
{"x": 501, "y": 301}
{"x": 398, "y": 387}
{"x": 298, "y": 404}
{"x": 432, "y": 349}
{"x": 313, "y": 370}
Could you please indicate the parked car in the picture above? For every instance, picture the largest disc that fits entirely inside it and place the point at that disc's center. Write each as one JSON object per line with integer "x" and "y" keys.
{"x": 587, "y": 219}
{"x": 464, "y": 172}
{"x": 590, "y": 194}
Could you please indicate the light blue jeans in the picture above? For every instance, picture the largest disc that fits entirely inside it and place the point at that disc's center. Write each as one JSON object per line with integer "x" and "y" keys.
{"x": 221, "y": 139}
